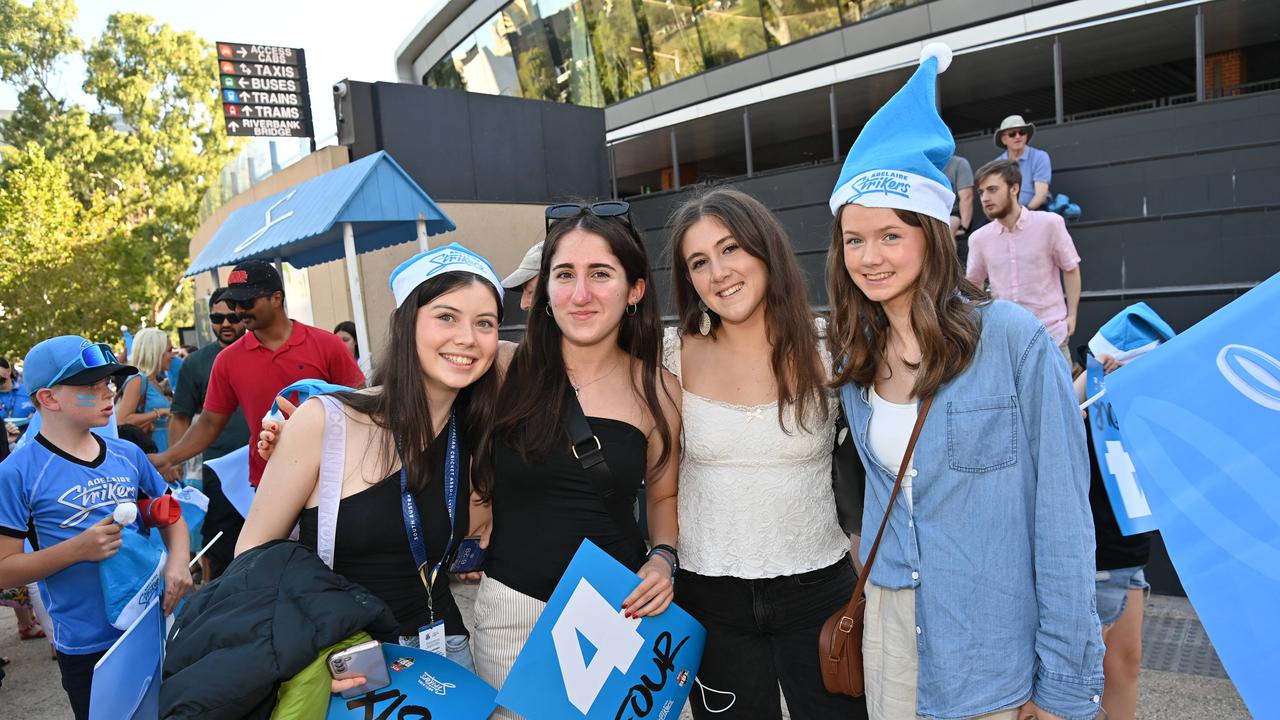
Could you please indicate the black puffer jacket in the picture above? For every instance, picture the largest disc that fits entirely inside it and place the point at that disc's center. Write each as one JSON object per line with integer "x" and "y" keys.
{"x": 259, "y": 624}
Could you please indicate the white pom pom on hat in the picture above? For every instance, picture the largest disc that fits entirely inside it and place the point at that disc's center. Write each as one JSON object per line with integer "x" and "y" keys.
{"x": 938, "y": 50}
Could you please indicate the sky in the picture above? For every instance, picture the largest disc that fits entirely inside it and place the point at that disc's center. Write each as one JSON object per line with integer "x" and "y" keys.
{"x": 343, "y": 40}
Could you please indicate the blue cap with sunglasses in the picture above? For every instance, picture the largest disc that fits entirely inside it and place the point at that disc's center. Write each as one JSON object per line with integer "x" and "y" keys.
{"x": 70, "y": 360}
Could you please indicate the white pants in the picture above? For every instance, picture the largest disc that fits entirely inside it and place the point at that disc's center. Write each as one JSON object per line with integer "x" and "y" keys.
{"x": 890, "y": 663}
{"x": 504, "y": 619}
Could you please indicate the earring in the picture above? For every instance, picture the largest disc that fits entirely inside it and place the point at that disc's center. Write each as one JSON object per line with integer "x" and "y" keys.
{"x": 704, "y": 323}
{"x": 547, "y": 307}
{"x": 631, "y": 309}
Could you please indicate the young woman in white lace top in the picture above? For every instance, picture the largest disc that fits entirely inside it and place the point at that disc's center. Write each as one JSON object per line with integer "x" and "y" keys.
{"x": 764, "y": 561}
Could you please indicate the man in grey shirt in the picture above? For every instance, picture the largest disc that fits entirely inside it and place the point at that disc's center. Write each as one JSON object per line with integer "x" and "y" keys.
{"x": 960, "y": 174}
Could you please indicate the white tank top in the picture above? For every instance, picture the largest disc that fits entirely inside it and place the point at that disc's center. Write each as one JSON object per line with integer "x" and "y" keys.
{"x": 888, "y": 433}
{"x": 754, "y": 501}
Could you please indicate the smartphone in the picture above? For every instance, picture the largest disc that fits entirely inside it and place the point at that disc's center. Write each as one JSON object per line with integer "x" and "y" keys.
{"x": 470, "y": 556}
{"x": 364, "y": 660}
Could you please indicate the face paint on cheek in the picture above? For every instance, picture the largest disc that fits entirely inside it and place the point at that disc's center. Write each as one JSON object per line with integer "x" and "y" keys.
{"x": 83, "y": 400}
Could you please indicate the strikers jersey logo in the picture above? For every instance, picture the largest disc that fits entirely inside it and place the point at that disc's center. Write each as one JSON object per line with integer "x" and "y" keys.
{"x": 83, "y": 499}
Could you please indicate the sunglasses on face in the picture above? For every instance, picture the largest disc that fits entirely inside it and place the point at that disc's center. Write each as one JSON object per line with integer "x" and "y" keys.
{"x": 1018, "y": 132}
{"x": 244, "y": 304}
{"x": 5, "y": 379}
{"x": 219, "y": 318}
{"x": 605, "y": 209}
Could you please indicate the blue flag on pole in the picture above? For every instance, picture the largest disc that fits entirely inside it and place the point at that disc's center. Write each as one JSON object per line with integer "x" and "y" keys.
{"x": 423, "y": 685}
{"x": 126, "y": 681}
{"x": 1124, "y": 487}
{"x": 1201, "y": 421}
{"x": 584, "y": 659}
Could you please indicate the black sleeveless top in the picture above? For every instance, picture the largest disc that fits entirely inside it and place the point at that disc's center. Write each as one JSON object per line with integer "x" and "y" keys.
{"x": 372, "y": 547}
{"x": 544, "y": 508}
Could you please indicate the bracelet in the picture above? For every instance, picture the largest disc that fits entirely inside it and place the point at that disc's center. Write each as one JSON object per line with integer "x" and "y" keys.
{"x": 657, "y": 553}
{"x": 669, "y": 554}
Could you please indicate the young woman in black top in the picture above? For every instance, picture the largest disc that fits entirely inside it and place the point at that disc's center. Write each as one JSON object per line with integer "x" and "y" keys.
{"x": 433, "y": 397}
{"x": 594, "y": 338}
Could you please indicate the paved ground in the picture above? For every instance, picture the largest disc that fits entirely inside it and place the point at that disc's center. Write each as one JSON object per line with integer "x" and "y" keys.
{"x": 1182, "y": 678}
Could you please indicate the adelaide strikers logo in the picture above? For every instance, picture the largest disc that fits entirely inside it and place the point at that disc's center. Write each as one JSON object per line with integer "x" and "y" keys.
{"x": 1252, "y": 372}
{"x": 98, "y": 492}
{"x": 880, "y": 182}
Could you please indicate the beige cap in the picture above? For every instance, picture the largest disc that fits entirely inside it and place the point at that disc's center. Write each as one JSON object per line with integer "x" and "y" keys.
{"x": 1009, "y": 123}
{"x": 527, "y": 270}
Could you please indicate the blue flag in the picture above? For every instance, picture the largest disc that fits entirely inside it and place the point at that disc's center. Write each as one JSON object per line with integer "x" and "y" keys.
{"x": 1124, "y": 489}
{"x": 1201, "y": 420}
{"x": 584, "y": 659}
{"x": 423, "y": 685}
{"x": 126, "y": 681}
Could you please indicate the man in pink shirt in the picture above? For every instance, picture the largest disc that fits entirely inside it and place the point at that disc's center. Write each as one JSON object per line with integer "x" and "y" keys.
{"x": 1026, "y": 254}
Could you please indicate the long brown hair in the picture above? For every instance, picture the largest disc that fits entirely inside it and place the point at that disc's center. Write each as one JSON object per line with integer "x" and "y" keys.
{"x": 398, "y": 405}
{"x": 942, "y": 313}
{"x": 533, "y": 391}
{"x": 796, "y": 364}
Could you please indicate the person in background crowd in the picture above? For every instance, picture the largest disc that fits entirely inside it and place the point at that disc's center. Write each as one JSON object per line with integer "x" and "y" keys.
{"x": 15, "y": 403}
{"x": 960, "y": 174}
{"x": 765, "y": 562}
{"x": 143, "y": 399}
{"x": 1014, "y": 137}
{"x": 346, "y": 332}
{"x": 593, "y": 341}
{"x": 188, "y": 402}
{"x": 980, "y": 603}
{"x": 1027, "y": 255}
{"x": 434, "y": 397}
{"x": 275, "y": 353}
{"x": 525, "y": 277}
{"x": 51, "y": 492}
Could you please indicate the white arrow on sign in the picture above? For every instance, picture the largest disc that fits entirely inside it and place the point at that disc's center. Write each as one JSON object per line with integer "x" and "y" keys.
{"x": 241, "y": 52}
{"x": 244, "y": 68}
{"x": 246, "y": 110}
{"x": 233, "y": 126}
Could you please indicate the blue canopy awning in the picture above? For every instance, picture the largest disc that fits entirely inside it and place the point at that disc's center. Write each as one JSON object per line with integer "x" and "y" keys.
{"x": 304, "y": 224}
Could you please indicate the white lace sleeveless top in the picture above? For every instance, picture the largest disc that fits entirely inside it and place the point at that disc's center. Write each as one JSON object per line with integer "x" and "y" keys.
{"x": 754, "y": 502}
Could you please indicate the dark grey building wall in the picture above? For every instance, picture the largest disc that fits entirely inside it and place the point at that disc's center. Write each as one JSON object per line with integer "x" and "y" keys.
{"x": 1180, "y": 207}
{"x": 469, "y": 147}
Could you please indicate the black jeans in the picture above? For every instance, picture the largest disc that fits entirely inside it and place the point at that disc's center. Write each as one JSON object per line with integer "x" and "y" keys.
{"x": 77, "y": 680}
{"x": 762, "y": 633}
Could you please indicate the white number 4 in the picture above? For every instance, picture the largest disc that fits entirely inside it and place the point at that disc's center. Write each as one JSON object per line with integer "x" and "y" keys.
{"x": 615, "y": 637}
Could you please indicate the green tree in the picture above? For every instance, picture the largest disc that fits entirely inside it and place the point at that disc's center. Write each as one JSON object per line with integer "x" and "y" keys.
{"x": 143, "y": 157}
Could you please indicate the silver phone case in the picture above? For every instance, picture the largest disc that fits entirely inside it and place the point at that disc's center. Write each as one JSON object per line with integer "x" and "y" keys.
{"x": 364, "y": 659}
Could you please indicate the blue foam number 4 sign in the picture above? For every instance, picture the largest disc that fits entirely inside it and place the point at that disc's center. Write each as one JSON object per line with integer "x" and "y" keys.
{"x": 586, "y": 659}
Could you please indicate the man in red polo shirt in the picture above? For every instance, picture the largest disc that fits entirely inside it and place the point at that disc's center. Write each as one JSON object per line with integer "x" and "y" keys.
{"x": 275, "y": 353}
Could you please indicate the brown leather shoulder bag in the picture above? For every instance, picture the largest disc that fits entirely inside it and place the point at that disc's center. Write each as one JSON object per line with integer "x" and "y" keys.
{"x": 840, "y": 644}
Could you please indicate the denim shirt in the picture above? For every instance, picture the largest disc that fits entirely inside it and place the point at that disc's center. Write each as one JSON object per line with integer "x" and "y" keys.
{"x": 1000, "y": 548}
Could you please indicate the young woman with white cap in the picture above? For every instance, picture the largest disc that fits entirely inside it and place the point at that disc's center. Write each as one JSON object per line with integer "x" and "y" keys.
{"x": 417, "y": 439}
{"x": 980, "y": 600}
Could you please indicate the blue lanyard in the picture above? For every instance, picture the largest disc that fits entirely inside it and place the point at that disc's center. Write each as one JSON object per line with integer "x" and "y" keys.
{"x": 413, "y": 520}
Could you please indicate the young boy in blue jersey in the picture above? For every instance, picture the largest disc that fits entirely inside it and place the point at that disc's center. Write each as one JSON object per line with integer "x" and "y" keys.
{"x": 60, "y": 490}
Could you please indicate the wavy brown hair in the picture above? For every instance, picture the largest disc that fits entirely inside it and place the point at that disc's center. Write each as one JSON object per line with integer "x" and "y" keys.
{"x": 534, "y": 389}
{"x": 796, "y": 364}
{"x": 398, "y": 404}
{"x": 942, "y": 313}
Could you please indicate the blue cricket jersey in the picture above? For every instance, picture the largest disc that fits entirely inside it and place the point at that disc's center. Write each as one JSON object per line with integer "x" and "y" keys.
{"x": 50, "y": 496}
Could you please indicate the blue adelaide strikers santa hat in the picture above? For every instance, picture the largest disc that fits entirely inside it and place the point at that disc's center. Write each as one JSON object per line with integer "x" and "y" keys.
{"x": 897, "y": 160}
{"x": 1134, "y": 332}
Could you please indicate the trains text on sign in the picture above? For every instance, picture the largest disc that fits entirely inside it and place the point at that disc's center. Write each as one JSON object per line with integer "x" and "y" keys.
{"x": 264, "y": 84}
{"x": 260, "y": 97}
{"x": 258, "y": 53}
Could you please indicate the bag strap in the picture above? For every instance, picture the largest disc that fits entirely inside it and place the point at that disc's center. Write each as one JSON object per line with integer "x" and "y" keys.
{"x": 333, "y": 457}
{"x": 586, "y": 448}
{"x": 846, "y": 621}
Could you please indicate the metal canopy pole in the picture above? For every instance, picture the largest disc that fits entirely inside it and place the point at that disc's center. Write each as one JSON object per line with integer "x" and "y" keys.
{"x": 1200, "y": 54}
{"x": 1057, "y": 80}
{"x": 422, "y": 236}
{"x": 835, "y": 125}
{"x": 217, "y": 282}
{"x": 675, "y": 161}
{"x": 353, "y": 284}
{"x": 746, "y": 133}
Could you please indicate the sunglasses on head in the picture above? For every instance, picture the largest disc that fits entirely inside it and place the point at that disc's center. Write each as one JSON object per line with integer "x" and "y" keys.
{"x": 91, "y": 356}
{"x": 605, "y": 209}
{"x": 1016, "y": 132}
{"x": 219, "y": 318}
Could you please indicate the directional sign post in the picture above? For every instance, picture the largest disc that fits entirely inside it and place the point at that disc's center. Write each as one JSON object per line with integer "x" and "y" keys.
{"x": 264, "y": 90}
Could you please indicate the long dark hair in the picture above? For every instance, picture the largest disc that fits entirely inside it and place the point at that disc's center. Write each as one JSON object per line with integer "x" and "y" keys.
{"x": 349, "y": 327}
{"x": 796, "y": 363}
{"x": 942, "y": 313}
{"x": 398, "y": 404}
{"x": 533, "y": 392}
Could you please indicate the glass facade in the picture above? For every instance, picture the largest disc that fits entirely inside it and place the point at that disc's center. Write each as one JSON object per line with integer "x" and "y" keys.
{"x": 598, "y": 52}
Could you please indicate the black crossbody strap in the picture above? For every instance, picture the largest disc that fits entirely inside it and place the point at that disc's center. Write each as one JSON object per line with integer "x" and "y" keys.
{"x": 586, "y": 448}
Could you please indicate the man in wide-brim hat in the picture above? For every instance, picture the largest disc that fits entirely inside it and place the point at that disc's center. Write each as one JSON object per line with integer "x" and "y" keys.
{"x": 1014, "y": 137}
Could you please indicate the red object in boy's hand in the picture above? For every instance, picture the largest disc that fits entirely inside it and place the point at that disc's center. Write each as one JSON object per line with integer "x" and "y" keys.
{"x": 159, "y": 512}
